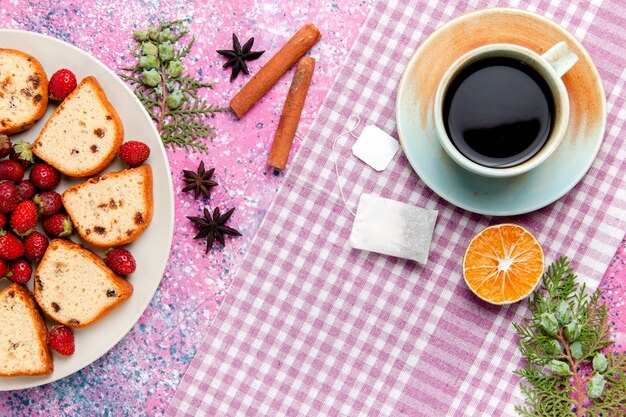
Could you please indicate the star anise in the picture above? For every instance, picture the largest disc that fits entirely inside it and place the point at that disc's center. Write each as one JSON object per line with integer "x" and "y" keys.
{"x": 214, "y": 227}
{"x": 199, "y": 181}
{"x": 238, "y": 56}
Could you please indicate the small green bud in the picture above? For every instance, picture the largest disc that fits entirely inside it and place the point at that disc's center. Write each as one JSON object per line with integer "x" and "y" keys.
{"x": 148, "y": 62}
{"x": 600, "y": 363}
{"x": 559, "y": 368}
{"x": 573, "y": 330}
{"x": 141, "y": 35}
{"x": 595, "y": 386}
{"x": 149, "y": 49}
{"x": 553, "y": 347}
{"x": 174, "y": 100}
{"x": 563, "y": 313}
{"x": 549, "y": 323}
{"x": 166, "y": 52}
{"x": 165, "y": 35}
{"x": 151, "y": 77}
{"x": 576, "y": 349}
{"x": 174, "y": 68}
{"x": 153, "y": 32}
{"x": 159, "y": 91}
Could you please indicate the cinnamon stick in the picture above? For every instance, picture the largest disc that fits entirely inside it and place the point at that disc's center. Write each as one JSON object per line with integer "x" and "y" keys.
{"x": 290, "y": 116}
{"x": 267, "y": 76}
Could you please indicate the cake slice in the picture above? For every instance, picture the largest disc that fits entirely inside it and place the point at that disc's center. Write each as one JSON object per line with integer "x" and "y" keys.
{"x": 83, "y": 134}
{"x": 113, "y": 209}
{"x": 75, "y": 287}
{"x": 23, "y": 335}
{"x": 23, "y": 91}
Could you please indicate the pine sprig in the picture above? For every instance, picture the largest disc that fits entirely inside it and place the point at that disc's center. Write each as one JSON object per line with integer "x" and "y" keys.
{"x": 566, "y": 372}
{"x": 170, "y": 97}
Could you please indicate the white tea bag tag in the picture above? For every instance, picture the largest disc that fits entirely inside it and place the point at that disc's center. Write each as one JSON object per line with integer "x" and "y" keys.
{"x": 393, "y": 228}
{"x": 375, "y": 147}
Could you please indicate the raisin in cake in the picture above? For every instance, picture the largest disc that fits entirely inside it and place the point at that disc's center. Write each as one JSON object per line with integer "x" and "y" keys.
{"x": 113, "y": 209}
{"x": 23, "y": 91}
{"x": 84, "y": 133}
{"x": 75, "y": 287}
{"x": 23, "y": 335}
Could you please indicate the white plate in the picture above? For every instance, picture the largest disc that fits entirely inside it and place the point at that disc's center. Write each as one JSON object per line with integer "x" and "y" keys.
{"x": 498, "y": 196}
{"x": 151, "y": 249}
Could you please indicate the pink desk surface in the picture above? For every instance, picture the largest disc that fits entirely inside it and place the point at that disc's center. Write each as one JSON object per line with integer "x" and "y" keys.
{"x": 139, "y": 376}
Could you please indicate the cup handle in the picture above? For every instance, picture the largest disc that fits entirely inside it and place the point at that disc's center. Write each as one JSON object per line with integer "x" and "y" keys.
{"x": 561, "y": 58}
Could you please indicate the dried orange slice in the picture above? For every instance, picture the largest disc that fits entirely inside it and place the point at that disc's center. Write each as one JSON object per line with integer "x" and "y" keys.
{"x": 503, "y": 263}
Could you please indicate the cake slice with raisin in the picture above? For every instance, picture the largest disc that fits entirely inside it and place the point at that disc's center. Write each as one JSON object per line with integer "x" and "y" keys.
{"x": 113, "y": 209}
{"x": 75, "y": 287}
{"x": 23, "y": 91}
{"x": 84, "y": 133}
{"x": 23, "y": 335}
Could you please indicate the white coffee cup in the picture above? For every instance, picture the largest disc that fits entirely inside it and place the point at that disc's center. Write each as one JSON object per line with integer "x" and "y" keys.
{"x": 550, "y": 66}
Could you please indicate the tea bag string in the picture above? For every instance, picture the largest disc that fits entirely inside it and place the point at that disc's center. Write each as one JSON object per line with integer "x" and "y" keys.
{"x": 352, "y": 125}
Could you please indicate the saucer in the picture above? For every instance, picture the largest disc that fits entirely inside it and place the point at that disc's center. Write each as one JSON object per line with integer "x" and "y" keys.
{"x": 498, "y": 196}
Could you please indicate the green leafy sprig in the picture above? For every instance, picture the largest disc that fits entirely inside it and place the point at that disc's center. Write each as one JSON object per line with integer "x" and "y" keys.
{"x": 170, "y": 96}
{"x": 566, "y": 372}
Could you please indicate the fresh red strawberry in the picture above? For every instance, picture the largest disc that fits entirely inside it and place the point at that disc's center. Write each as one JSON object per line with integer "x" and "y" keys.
{"x": 134, "y": 153}
{"x": 48, "y": 203}
{"x": 61, "y": 339}
{"x": 3, "y": 220}
{"x": 10, "y": 247}
{"x": 22, "y": 154}
{"x": 35, "y": 246}
{"x": 24, "y": 218}
{"x": 11, "y": 171}
{"x": 9, "y": 197}
{"x": 20, "y": 271}
{"x": 26, "y": 190}
{"x": 5, "y": 145}
{"x": 58, "y": 225}
{"x": 121, "y": 261}
{"x": 4, "y": 268}
{"x": 61, "y": 84}
{"x": 44, "y": 177}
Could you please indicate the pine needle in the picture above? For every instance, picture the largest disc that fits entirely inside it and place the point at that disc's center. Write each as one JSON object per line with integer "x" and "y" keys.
{"x": 171, "y": 97}
{"x": 566, "y": 372}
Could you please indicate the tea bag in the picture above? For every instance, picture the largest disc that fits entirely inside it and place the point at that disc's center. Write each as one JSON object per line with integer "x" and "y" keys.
{"x": 393, "y": 228}
{"x": 382, "y": 225}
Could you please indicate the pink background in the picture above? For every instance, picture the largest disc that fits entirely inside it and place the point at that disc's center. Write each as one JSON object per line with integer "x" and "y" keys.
{"x": 140, "y": 374}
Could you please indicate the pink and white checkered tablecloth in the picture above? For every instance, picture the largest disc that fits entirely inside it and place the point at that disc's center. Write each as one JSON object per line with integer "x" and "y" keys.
{"x": 313, "y": 327}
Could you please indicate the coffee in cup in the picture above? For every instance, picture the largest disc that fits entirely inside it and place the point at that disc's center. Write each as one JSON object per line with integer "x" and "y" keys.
{"x": 502, "y": 109}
